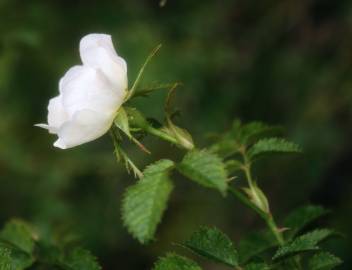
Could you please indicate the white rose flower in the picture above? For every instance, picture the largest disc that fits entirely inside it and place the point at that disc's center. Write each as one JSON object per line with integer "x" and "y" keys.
{"x": 89, "y": 95}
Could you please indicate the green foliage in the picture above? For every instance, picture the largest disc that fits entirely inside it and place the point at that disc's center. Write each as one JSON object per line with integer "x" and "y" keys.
{"x": 301, "y": 217}
{"x": 213, "y": 244}
{"x": 14, "y": 259}
{"x": 257, "y": 266}
{"x": 145, "y": 202}
{"x": 175, "y": 262}
{"x": 240, "y": 136}
{"x": 303, "y": 243}
{"x": 80, "y": 259}
{"x": 205, "y": 168}
{"x": 233, "y": 165}
{"x": 19, "y": 234}
{"x": 254, "y": 244}
{"x": 21, "y": 246}
{"x": 324, "y": 261}
{"x": 11, "y": 258}
{"x": 253, "y": 131}
{"x": 5, "y": 259}
{"x": 272, "y": 145}
{"x": 16, "y": 245}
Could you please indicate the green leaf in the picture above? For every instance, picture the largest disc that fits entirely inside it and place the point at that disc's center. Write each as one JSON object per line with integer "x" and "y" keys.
{"x": 303, "y": 243}
{"x": 273, "y": 145}
{"x": 206, "y": 169}
{"x": 175, "y": 262}
{"x": 251, "y": 132}
{"x": 301, "y": 217}
{"x": 227, "y": 144}
{"x": 20, "y": 234}
{"x": 145, "y": 202}
{"x": 233, "y": 166}
{"x": 5, "y": 259}
{"x": 254, "y": 244}
{"x": 213, "y": 244}
{"x": 324, "y": 261}
{"x": 12, "y": 258}
{"x": 257, "y": 266}
{"x": 80, "y": 259}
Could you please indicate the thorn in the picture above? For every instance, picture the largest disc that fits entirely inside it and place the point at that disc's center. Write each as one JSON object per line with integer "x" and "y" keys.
{"x": 140, "y": 145}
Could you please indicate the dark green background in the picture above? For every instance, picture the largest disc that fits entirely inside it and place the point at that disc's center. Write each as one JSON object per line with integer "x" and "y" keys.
{"x": 282, "y": 62}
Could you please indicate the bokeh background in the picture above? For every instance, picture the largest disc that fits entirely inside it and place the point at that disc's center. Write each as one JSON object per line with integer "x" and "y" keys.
{"x": 282, "y": 62}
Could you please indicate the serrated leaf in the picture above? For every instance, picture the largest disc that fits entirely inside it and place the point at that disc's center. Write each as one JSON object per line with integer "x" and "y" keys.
{"x": 257, "y": 266}
{"x": 253, "y": 131}
{"x": 301, "y": 217}
{"x": 80, "y": 259}
{"x": 205, "y": 168}
{"x": 19, "y": 234}
{"x": 175, "y": 262}
{"x": 254, "y": 244}
{"x": 145, "y": 202}
{"x": 324, "y": 261}
{"x": 213, "y": 244}
{"x": 12, "y": 258}
{"x": 273, "y": 145}
{"x": 303, "y": 243}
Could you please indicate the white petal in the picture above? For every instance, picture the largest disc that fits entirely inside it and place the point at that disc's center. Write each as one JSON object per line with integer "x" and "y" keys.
{"x": 87, "y": 88}
{"x": 97, "y": 51}
{"x": 85, "y": 126}
{"x": 60, "y": 144}
{"x": 70, "y": 75}
{"x": 56, "y": 114}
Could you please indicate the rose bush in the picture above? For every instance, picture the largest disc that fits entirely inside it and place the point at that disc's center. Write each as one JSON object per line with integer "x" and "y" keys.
{"x": 89, "y": 94}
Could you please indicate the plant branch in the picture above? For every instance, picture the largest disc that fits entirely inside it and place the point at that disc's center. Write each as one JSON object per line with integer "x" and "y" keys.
{"x": 266, "y": 216}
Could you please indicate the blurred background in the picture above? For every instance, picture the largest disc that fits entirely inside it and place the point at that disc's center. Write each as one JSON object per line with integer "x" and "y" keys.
{"x": 282, "y": 62}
